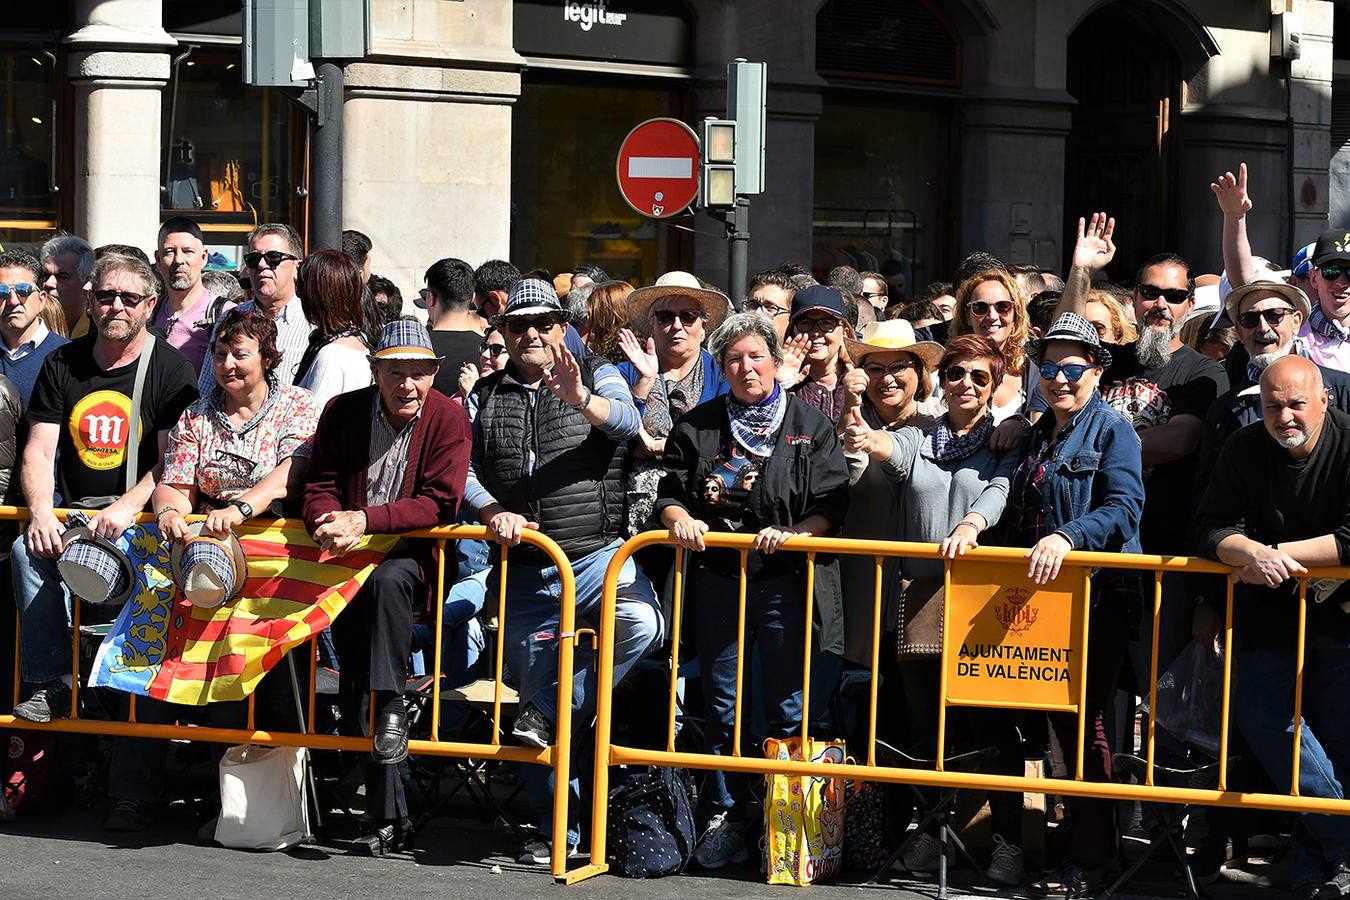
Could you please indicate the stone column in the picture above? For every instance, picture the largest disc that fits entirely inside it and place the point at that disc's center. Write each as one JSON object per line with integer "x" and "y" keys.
{"x": 118, "y": 65}
{"x": 427, "y": 136}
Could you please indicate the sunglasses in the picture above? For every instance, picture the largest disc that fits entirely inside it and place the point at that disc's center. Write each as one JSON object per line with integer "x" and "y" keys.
{"x": 23, "y": 290}
{"x": 1072, "y": 371}
{"x": 1174, "y": 296}
{"x": 876, "y": 370}
{"x": 877, "y": 295}
{"x": 1333, "y": 272}
{"x": 129, "y": 300}
{"x": 273, "y": 258}
{"x": 492, "y": 349}
{"x": 821, "y": 324}
{"x": 538, "y": 323}
{"x": 1272, "y": 316}
{"x": 980, "y": 308}
{"x": 666, "y": 318}
{"x": 978, "y": 377}
{"x": 767, "y": 308}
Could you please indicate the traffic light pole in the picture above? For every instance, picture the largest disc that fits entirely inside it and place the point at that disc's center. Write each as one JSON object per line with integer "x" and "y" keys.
{"x": 326, "y": 193}
{"x": 738, "y": 249}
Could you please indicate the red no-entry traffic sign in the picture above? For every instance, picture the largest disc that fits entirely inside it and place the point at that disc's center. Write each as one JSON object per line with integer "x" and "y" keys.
{"x": 658, "y": 168}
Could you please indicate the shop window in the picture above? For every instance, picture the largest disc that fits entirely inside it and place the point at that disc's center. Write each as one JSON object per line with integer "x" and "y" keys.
{"x": 28, "y": 163}
{"x": 230, "y": 150}
{"x": 881, "y": 177}
{"x": 565, "y": 203}
{"x": 887, "y": 40}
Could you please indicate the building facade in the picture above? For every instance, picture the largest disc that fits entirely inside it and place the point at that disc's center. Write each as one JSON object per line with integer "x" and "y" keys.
{"x": 901, "y": 133}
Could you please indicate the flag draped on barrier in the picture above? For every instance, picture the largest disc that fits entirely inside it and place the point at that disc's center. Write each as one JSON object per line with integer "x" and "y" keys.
{"x": 161, "y": 646}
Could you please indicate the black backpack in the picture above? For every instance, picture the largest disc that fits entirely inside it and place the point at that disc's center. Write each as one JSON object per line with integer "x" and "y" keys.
{"x": 651, "y": 823}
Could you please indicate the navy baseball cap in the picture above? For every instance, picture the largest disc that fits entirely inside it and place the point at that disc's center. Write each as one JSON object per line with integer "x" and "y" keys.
{"x": 821, "y": 297}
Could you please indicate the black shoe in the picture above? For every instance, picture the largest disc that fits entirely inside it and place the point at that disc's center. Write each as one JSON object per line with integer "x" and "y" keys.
{"x": 131, "y": 815}
{"x": 385, "y": 838}
{"x": 391, "y": 733}
{"x": 1338, "y": 885}
{"x": 533, "y": 728}
{"x": 51, "y": 701}
{"x": 1207, "y": 859}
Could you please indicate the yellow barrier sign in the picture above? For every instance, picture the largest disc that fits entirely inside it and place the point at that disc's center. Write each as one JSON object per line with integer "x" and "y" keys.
{"x": 1010, "y": 642}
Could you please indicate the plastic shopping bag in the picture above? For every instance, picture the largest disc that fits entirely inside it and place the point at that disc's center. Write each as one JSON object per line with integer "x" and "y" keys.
{"x": 1189, "y": 697}
{"x": 262, "y": 798}
{"x": 803, "y": 815}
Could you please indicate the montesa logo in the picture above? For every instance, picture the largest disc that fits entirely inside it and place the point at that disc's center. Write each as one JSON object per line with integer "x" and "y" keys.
{"x": 99, "y": 428}
{"x": 588, "y": 15}
{"x": 1016, "y": 613}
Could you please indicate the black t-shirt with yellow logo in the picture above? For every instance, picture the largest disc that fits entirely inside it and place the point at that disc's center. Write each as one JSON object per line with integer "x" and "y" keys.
{"x": 92, "y": 406}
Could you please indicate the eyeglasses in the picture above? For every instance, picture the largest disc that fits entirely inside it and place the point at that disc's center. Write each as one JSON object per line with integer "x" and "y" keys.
{"x": 1174, "y": 296}
{"x": 492, "y": 349}
{"x": 978, "y": 377}
{"x": 980, "y": 308}
{"x": 425, "y": 296}
{"x": 1273, "y": 317}
{"x": 1072, "y": 371}
{"x": 821, "y": 324}
{"x": 1333, "y": 271}
{"x": 538, "y": 323}
{"x": 23, "y": 290}
{"x": 876, "y": 370}
{"x": 878, "y": 295}
{"x": 273, "y": 258}
{"x": 129, "y": 300}
{"x": 768, "y": 309}
{"x": 666, "y": 318}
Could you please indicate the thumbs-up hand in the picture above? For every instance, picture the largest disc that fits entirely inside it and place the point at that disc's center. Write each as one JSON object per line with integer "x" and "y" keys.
{"x": 858, "y": 438}
{"x": 855, "y": 382}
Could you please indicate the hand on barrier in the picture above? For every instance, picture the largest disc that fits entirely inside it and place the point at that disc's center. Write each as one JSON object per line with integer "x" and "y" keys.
{"x": 688, "y": 533}
{"x": 113, "y": 519}
{"x": 506, "y": 527}
{"x": 1094, "y": 249}
{"x": 1269, "y": 566}
{"x": 770, "y": 539}
{"x": 1046, "y": 558}
{"x": 1231, "y": 193}
{"x": 338, "y": 532}
{"x": 963, "y": 537}
{"x": 44, "y": 536}
{"x": 172, "y": 526}
{"x": 220, "y": 522}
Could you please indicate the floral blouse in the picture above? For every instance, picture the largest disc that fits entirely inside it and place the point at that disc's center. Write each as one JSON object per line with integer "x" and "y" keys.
{"x": 223, "y": 462}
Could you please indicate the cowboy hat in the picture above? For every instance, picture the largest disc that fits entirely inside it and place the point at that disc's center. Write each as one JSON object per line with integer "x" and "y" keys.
{"x": 888, "y": 336}
{"x": 679, "y": 284}
{"x": 209, "y": 571}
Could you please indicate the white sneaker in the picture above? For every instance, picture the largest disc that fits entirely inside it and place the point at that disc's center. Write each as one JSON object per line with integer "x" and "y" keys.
{"x": 922, "y": 855}
{"x": 1006, "y": 865}
{"x": 721, "y": 844}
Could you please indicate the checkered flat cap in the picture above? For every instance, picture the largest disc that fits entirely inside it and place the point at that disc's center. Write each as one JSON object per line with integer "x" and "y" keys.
{"x": 1071, "y": 327}
{"x": 533, "y": 297}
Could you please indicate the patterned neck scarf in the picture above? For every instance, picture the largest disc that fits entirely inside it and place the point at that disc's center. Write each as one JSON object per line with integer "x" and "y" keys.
{"x": 1328, "y": 329}
{"x": 945, "y": 445}
{"x": 755, "y": 426}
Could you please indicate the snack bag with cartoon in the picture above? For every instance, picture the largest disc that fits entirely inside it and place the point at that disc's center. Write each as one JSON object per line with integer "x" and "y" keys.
{"x": 803, "y": 815}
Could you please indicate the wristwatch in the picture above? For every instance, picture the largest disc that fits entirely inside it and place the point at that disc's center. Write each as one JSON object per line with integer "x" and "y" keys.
{"x": 245, "y": 508}
{"x": 585, "y": 398}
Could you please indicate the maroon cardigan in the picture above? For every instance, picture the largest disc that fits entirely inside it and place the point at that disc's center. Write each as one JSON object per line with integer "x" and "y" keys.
{"x": 433, "y": 485}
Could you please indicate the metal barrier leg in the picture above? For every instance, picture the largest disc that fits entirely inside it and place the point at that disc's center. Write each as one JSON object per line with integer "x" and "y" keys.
{"x": 304, "y": 729}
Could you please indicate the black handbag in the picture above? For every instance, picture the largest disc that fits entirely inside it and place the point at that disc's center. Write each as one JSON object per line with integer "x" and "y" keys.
{"x": 651, "y": 823}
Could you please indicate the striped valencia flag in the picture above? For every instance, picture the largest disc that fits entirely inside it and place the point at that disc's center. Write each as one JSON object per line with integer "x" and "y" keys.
{"x": 162, "y": 646}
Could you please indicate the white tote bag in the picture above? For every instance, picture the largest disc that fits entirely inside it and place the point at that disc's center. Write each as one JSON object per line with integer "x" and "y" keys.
{"x": 262, "y": 798}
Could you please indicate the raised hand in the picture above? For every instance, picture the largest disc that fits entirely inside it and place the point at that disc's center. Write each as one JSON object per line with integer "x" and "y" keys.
{"x": 794, "y": 354}
{"x": 468, "y": 377}
{"x": 857, "y": 437}
{"x": 643, "y": 357}
{"x": 1231, "y": 192}
{"x": 564, "y": 378}
{"x": 1094, "y": 249}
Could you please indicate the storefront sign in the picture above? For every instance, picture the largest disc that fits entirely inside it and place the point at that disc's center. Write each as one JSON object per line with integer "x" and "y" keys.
{"x": 1010, "y": 641}
{"x": 658, "y": 168}
{"x": 659, "y": 32}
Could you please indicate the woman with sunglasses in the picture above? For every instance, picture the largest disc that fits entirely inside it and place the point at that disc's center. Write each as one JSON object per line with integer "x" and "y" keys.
{"x": 1078, "y": 486}
{"x": 337, "y": 360}
{"x": 669, "y": 374}
{"x": 989, "y": 304}
{"x": 816, "y": 331}
{"x": 491, "y": 357}
{"x": 950, "y": 487}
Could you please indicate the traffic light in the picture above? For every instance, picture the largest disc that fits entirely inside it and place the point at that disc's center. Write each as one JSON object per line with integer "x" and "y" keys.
{"x": 717, "y": 152}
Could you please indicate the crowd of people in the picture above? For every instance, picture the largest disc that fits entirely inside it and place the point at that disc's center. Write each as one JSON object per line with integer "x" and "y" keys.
{"x": 1169, "y": 413}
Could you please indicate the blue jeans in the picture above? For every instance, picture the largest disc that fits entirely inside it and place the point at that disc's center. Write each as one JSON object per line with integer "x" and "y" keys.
{"x": 44, "y": 616}
{"x": 462, "y": 638}
{"x": 1263, "y": 710}
{"x": 533, "y": 596}
{"x": 775, "y": 622}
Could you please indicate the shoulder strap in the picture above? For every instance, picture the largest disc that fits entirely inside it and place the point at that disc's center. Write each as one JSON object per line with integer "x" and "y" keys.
{"x": 134, "y": 419}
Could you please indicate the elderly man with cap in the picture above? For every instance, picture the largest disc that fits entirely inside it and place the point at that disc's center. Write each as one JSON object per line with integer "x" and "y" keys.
{"x": 550, "y": 433}
{"x": 1275, "y": 507}
{"x": 388, "y": 458}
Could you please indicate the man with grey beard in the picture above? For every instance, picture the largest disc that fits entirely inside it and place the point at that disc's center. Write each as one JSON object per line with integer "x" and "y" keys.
{"x": 181, "y": 314}
{"x": 1268, "y": 315}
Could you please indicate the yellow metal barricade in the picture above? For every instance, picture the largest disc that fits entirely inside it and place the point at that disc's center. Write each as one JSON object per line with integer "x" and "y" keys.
{"x": 993, "y": 581}
{"x": 557, "y": 756}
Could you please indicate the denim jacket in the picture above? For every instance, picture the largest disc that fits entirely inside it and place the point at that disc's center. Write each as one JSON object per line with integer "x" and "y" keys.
{"x": 1094, "y": 489}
